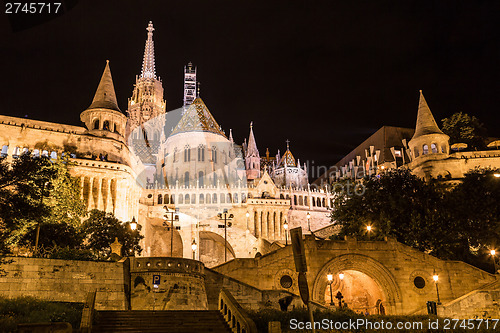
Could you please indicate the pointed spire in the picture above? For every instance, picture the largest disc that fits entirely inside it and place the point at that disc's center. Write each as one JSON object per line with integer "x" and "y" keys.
{"x": 426, "y": 124}
{"x": 105, "y": 97}
{"x": 148, "y": 63}
{"x": 231, "y": 135}
{"x": 252, "y": 146}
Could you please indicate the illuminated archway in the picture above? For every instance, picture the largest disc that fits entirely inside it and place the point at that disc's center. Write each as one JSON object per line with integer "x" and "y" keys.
{"x": 212, "y": 249}
{"x": 357, "y": 269}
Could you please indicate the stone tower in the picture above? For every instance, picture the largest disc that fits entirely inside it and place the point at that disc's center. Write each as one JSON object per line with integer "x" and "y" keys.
{"x": 189, "y": 84}
{"x": 428, "y": 141}
{"x": 103, "y": 117}
{"x": 252, "y": 157}
{"x": 147, "y": 100}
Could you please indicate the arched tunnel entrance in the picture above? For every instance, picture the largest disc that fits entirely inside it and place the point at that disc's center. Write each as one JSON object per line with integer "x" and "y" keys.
{"x": 364, "y": 283}
{"x": 212, "y": 249}
{"x": 358, "y": 291}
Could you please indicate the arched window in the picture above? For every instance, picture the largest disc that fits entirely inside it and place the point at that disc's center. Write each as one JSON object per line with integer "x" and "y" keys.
{"x": 172, "y": 199}
{"x": 323, "y": 202}
{"x": 208, "y": 198}
{"x": 282, "y": 196}
{"x": 175, "y": 154}
{"x": 167, "y": 199}
{"x": 44, "y": 153}
{"x": 96, "y": 124}
{"x": 214, "y": 154}
{"x": 443, "y": 149}
{"x": 215, "y": 180}
{"x": 255, "y": 224}
{"x": 187, "y": 199}
{"x": 222, "y": 198}
{"x": 214, "y": 198}
{"x": 202, "y": 199}
{"x": 193, "y": 198}
{"x": 306, "y": 203}
{"x": 425, "y": 149}
{"x": 105, "y": 125}
{"x": 200, "y": 179}
{"x": 53, "y": 155}
{"x": 5, "y": 150}
{"x": 187, "y": 154}
{"x": 201, "y": 153}
{"x": 181, "y": 199}
{"x": 313, "y": 201}
{"x": 416, "y": 152}
{"x": 295, "y": 200}
{"x": 36, "y": 153}
{"x": 186, "y": 179}
{"x": 318, "y": 202}
{"x": 434, "y": 148}
{"x": 160, "y": 199}
{"x": 301, "y": 201}
{"x": 229, "y": 200}
{"x": 235, "y": 198}
{"x": 243, "y": 198}
{"x": 115, "y": 129}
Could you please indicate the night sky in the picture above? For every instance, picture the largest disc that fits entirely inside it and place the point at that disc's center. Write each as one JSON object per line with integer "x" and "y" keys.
{"x": 323, "y": 74}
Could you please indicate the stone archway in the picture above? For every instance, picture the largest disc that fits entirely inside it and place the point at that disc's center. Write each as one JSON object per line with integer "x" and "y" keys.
{"x": 212, "y": 249}
{"x": 160, "y": 243}
{"x": 367, "y": 284}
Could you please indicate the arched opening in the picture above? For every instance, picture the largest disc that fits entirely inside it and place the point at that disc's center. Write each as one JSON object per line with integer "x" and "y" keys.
{"x": 186, "y": 179}
{"x": 214, "y": 198}
{"x": 359, "y": 291}
{"x": 167, "y": 199}
{"x": 105, "y": 125}
{"x": 187, "y": 199}
{"x": 160, "y": 199}
{"x": 434, "y": 148}
{"x": 96, "y": 124}
{"x": 212, "y": 249}
{"x": 200, "y": 179}
{"x": 425, "y": 149}
{"x": 301, "y": 201}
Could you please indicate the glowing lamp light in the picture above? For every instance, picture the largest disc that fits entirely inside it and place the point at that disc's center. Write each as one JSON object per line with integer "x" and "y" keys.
{"x": 369, "y": 227}
{"x": 133, "y": 224}
{"x": 308, "y": 215}
{"x": 194, "y": 246}
{"x": 435, "y": 277}
{"x": 493, "y": 252}
{"x": 341, "y": 276}
{"x": 382, "y": 167}
{"x": 496, "y": 174}
{"x": 247, "y": 214}
{"x": 285, "y": 225}
{"x": 329, "y": 277}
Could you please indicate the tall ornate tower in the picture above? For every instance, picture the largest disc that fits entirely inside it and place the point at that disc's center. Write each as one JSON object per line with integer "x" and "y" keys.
{"x": 147, "y": 100}
{"x": 252, "y": 157}
{"x": 189, "y": 84}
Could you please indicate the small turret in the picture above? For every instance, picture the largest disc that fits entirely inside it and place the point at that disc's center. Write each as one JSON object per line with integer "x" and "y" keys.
{"x": 252, "y": 157}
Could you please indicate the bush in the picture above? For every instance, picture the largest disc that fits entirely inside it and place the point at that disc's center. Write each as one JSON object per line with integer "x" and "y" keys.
{"x": 31, "y": 310}
{"x": 68, "y": 253}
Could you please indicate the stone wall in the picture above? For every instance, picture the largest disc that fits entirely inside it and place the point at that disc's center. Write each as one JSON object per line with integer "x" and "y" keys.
{"x": 391, "y": 265}
{"x": 67, "y": 281}
{"x": 477, "y": 304}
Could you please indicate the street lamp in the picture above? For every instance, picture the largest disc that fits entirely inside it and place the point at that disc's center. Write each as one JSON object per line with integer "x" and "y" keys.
{"x": 493, "y": 252}
{"x": 171, "y": 216}
{"x": 369, "y": 230}
{"x": 194, "y": 247}
{"x": 341, "y": 276}
{"x": 225, "y": 216}
{"x": 497, "y": 174}
{"x": 308, "y": 219}
{"x": 285, "y": 225}
{"x": 436, "y": 278}
{"x": 330, "y": 281}
{"x": 133, "y": 224}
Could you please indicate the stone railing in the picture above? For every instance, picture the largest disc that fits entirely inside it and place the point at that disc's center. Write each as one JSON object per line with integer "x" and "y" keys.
{"x": 88, "y": 313}
{"x": 236, "y": 317}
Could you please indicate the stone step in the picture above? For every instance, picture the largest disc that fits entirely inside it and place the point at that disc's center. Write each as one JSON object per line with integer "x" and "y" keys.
{"x": 160, "y": 321}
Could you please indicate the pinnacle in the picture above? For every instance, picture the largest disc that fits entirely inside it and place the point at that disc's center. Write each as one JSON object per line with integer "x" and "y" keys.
{"x": 426, "y": 124}
{"x": 105, "y": 97}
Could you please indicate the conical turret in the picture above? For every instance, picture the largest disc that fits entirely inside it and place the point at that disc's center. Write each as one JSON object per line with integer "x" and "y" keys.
{"x": 105, "y": 97}
{"x": 426, "y": 124}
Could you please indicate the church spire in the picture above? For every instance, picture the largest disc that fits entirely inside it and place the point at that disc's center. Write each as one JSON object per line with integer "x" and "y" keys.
{"x": 148, "y": 63}
{"x": 105, "y": 97}
{"x": 252, "y": 146}
{"x": 426, "y": 124}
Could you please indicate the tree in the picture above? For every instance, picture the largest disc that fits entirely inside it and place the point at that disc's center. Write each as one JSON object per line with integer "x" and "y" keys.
{"x": 102, "y": 228}
{"x": 462, "y": 128}
{"x": 395, "y": 204}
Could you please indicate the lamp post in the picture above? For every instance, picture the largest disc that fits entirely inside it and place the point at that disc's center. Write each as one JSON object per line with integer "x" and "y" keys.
{"x": 171, "y": 216}
{"x": 39, "y": 221}
{"x": 225, "y": 216}
{"x": 194, "y": 247}
{"x": 133, "y": 224}
{"x": 436, "y": 278}
{"x": 330, "y": 281}
{"x": 493, "y": 252}
{"x": 285, "y": 225}
{"x": 308, "y": 219}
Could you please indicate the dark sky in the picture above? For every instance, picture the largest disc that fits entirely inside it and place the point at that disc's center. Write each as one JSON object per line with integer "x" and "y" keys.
{"x": 323, "y": 74}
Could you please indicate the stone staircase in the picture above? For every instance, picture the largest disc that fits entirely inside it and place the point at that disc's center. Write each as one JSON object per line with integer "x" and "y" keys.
{"x": 185, "y": 321}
